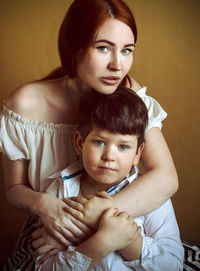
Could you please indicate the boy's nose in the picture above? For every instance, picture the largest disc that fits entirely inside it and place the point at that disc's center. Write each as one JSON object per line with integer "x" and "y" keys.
{"x": 108, "y": 155}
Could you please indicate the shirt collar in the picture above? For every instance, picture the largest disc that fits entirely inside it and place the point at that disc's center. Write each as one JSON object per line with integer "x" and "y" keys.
{"x": 76, "y": 169}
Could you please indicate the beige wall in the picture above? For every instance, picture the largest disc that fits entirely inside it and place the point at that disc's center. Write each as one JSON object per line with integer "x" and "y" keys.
{"x": 166, "y": 60}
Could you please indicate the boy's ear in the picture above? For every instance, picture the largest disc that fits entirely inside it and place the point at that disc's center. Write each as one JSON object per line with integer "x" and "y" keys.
{"x": 78, "y": 142}
{"x": 138, "y": 154}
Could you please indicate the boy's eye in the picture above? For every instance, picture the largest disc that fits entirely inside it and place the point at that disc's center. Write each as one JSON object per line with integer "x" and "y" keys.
{"x": 123, "y": 147}
{"x": 99, "y": 142}
{"x": 103, "y": 49}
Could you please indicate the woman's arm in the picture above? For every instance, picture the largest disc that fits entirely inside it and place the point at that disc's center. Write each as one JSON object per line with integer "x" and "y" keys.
{"x": 88, "y": 254}
{"x": 156, "y": 185}
{"x": 49, "y": 209}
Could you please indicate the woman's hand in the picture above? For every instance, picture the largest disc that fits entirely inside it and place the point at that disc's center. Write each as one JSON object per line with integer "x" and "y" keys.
{"x": 45, "y": 243}
{"x": 61, "y": 224}
{"x": 89, "y": 210}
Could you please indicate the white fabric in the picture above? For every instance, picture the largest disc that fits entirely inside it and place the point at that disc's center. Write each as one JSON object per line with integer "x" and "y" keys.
{"x": 161, "y": 250}
{"x": 49, "y": 147}
{"x": 156, "y": 114}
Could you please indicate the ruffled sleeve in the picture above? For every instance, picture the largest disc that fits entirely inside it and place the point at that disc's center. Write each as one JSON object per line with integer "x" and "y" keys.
{"x": 13, "y": 136}
{"x": 48, "y": 146}
{"x": 156, "y": 113}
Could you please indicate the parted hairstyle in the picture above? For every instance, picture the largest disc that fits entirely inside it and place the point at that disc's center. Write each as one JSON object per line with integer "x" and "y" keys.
{"x": 80, "y": 27}
{"x": 121, "y": 112}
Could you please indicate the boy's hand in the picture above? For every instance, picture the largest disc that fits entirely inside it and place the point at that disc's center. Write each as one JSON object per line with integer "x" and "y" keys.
{"x": 118, "y": 229}
{"x": 89, "y": 210}
{"x": 45, "y": 243}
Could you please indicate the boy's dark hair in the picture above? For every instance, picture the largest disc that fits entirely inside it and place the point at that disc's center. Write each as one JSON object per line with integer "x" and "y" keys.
{"x": 121, "y": 112}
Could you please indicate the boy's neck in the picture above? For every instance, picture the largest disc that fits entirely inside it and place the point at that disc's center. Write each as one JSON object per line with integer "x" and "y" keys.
{"x": 89, "y": 186}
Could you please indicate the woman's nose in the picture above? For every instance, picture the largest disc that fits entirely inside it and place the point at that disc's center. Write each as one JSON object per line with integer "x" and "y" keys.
{"x": 115, "y": 62}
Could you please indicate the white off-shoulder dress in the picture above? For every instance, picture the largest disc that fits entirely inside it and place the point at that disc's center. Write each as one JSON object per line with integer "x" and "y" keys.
{"x": 49, "y": 148}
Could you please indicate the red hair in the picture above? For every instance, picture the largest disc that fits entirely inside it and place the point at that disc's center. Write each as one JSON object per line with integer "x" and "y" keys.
{"x": 80, "y": 27}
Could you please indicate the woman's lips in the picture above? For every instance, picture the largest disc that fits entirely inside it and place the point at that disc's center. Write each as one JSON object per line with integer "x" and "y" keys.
{"x": 110, "y": 80}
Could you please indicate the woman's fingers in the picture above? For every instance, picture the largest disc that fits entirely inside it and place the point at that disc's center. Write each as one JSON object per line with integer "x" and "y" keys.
{"x": 37, "y": 243}
{"x": 76, "y": 203}
{"x": 63, "y": 239}
{"x": 84, "y": 230}
{"x": 74, "y": 212}
{"x": 37, "y": 233}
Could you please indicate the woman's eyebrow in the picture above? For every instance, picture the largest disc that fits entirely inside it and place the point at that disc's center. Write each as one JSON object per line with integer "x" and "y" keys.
{"x": 112, "y": 44}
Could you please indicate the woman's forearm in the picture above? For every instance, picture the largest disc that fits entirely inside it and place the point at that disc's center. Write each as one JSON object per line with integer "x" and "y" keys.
{"x": 156, "y": 185}
{"x": 26, "y": 199}
{"x": 18, "y": 191}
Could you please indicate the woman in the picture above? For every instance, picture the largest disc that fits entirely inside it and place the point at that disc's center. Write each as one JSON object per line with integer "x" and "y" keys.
{"x": 39, "y": 120}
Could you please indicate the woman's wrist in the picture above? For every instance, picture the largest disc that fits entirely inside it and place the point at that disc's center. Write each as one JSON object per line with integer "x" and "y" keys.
{"x": 40, "y": 204}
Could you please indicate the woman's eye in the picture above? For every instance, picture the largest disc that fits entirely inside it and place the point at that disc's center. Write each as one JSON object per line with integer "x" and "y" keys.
{"x": 99, "y": 142}
{"x": 123, "y": 147}
{"x": 127, "y": 51}
{"x": 103, "y": 49}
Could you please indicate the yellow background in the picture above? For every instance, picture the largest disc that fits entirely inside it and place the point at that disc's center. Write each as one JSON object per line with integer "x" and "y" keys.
{"x": 166, "y": 60}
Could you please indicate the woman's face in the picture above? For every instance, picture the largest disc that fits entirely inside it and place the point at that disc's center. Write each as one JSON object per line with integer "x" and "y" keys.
{"x": 109, "y": 58}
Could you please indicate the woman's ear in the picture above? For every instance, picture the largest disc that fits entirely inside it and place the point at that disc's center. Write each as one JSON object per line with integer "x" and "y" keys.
{"x": 78, "y": 142}
{"x": 138, "y": 154}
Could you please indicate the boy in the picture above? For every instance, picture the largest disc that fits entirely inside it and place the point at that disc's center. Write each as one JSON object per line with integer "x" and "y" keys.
{"x": 109, "y": 140}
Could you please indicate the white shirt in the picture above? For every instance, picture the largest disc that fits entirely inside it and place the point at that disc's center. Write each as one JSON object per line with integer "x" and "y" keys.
{"x": 162, "y": 249}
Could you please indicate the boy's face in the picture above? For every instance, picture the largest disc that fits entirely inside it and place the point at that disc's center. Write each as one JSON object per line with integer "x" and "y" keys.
{"x": 108, "y": 157}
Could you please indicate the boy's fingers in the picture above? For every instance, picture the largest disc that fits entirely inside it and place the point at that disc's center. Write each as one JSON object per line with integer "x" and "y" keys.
{"x": 103, "y": 194}
{"x": 110, "y": 212}
{"x": 74, "y": 204}
{"x": 74, "y": 212}
{"x": 123, "y": 214}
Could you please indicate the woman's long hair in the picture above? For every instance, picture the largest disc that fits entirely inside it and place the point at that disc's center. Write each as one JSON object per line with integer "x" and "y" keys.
{"x": 80, "y": 27}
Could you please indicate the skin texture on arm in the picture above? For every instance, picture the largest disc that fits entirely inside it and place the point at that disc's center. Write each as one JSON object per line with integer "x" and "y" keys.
{"x": 160, "y": 178}
{"x": 34, "y": 101}
{"x": 51, "y": 210}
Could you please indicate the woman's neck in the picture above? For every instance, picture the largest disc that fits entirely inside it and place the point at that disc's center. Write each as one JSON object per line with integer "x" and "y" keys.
{"x": 76, "y": 88}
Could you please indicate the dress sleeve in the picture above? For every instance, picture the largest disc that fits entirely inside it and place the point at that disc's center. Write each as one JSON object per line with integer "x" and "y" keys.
{"x": 13, "y": 136}
{"x": 156, "y": 113}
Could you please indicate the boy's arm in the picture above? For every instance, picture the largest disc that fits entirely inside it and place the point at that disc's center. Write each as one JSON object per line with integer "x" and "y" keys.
{"x": 161, "y": 247}
{"x": 115, "y": 232}
{"x": 133, "y": 251}
{"x": 162, "y": 244}
{"x": 106, "y": 240}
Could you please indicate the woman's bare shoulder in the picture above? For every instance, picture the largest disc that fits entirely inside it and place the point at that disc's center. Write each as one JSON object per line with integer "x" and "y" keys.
{"x": 24, "y": 97}
{"x": 30, "y": 99}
